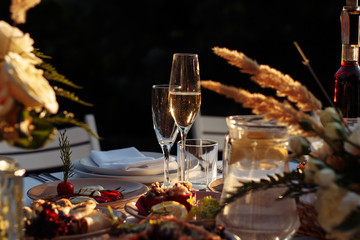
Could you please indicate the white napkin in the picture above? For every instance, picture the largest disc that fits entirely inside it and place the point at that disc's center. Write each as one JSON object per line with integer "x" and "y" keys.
{"x": 125, "y": 159}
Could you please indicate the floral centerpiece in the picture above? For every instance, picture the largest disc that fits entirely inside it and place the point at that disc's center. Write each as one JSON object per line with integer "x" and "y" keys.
{"x": 28, "y": 106}
{"x": 332, "y": 169}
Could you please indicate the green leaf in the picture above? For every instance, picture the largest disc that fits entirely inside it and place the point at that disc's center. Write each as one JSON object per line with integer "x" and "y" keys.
{"x": 294, "y": 181}
{"x": 63, "y": 120}
{"x": 71, "y": 96}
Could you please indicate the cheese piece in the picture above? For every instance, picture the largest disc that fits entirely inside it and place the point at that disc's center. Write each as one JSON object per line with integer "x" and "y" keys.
{"x": 79, "y": 199}
{"x": 90, "y": 190}
{"x": 95, "y": 222}
{"x": 83, "y": 209}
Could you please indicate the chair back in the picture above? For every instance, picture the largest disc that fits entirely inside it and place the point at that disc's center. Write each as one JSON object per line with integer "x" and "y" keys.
{"x": 48, "y": 157}
{"x": 210, "y": 127}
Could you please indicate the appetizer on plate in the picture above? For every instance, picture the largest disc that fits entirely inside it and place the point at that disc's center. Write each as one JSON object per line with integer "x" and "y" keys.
{"x": 65, "y": 189}
{"x": 181, "y": 192}
{"x": 46, "y": 219}
{"x": 165, "y": 227}
{"x": 96, "y": 193}
{"x": 178, "y": 201}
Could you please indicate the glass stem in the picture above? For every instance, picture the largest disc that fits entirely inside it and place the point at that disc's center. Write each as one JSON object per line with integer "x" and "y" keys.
{"x": 183, "y": 175}
{"x": 166, "y": 153}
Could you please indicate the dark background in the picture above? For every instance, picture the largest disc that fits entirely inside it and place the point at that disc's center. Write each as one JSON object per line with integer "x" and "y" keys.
{"x": 118, "y": 49}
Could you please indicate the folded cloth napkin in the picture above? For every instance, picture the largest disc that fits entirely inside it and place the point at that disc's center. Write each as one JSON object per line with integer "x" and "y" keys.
{"x": 124, "y": 159}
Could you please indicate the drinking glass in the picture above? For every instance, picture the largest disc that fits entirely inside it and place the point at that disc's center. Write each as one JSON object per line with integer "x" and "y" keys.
{"x": 164, "y": 124}
{"x": 185, "y": 98}
{"x": 204, "y": 153}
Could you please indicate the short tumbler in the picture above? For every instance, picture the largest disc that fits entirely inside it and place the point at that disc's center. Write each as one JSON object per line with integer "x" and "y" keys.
{"x": 200, "y": 161}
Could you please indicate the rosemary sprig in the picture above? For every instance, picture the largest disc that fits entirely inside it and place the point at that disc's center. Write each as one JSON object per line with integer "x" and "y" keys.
{"x": 293, "y": 181}
{"x": 65, "y": 153}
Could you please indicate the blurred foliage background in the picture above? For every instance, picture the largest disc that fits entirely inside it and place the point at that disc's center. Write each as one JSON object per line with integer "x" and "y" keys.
{"x": 117, "y": 50}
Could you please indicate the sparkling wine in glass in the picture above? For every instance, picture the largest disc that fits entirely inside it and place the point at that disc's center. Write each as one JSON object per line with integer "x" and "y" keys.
{"x": 164, "y": 124}
{"x": 185, "y": 99}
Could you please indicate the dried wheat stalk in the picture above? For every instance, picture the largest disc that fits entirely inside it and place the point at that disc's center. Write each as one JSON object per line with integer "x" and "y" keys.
{"x": 268, "y": 77}
{"x": 260, "y": 104}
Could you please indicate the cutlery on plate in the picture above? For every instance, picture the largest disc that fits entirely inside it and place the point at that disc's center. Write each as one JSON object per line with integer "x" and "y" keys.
{"x": 37, "y": 177}
{"x": 49, "y": 176}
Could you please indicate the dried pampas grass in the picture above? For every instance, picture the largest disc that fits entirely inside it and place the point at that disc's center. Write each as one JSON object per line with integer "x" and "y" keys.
{"x": 268, "y": 77}
{"x": 271, "y": 108}
{"x": 283, "y": 113}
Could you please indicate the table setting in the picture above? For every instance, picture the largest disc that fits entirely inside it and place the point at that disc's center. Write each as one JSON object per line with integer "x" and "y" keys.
{"x": 288, "y": 170}
{"x": 138, "y": 175}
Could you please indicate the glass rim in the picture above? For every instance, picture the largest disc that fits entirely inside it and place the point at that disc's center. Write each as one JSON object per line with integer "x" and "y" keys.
{"x": 161, "y": 85}
{"x": 205, "y": 142}
{"x": 252, "y": 121}
{"x": 186, "y": 54}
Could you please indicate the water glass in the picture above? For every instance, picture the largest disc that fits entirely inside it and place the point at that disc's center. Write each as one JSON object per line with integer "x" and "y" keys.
{"x": 11, "y": 199}
{"x": 200, "y": 161}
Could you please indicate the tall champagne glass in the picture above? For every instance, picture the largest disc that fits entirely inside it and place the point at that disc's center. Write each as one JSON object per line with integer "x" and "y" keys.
{"x": 185, "y": 99}
{"x": 164, "y": 125}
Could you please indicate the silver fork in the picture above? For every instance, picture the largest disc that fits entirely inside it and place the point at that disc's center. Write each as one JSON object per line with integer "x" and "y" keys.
{"x": 48, "y": 176}
{"x": 39, "y": 178}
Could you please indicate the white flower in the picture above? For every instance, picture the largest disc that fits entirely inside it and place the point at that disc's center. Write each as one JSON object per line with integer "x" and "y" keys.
{"x": 19, "y": 8}
{"x": 299, "y": 145}
{"x": 334, "y": 131}
{"x": 324, "y": 177}
{"x": 327, "y": 206}
{"x": 13, "y": 39}
{"x": 354, "y": 138}
{"x": 6, "y": 101}
{"x": 349, "y": 202}
{"x": 329, "y": 115}
{"x": 27, "y": 84}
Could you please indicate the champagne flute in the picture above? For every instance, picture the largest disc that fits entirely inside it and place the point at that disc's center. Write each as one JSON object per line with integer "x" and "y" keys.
{"x": 164, "y": 125}
{"x": 185, "y": 99}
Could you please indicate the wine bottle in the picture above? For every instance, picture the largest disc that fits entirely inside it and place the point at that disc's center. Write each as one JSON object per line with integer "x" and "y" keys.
{"x": 347, "y": 78}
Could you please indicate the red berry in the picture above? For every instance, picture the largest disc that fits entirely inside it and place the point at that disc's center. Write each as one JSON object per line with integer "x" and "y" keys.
{"x": 65, "y": 188}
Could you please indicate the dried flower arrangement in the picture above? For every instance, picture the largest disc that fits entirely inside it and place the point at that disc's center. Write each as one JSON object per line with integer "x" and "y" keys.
{"x": 332, "y": 170}
{"x": 29, "y": 114}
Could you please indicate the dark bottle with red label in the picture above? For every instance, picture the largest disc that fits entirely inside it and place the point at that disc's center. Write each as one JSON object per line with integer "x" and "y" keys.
{"x": 347, "y": 78}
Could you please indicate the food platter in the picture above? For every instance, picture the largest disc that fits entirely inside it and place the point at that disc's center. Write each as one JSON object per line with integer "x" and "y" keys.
{"x": 130, "y": 190}
{"x": 131, "y": 209}
{"x": 90, "y": 235}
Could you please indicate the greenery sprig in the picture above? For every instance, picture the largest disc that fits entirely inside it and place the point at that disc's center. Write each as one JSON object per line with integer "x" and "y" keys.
{"x": 65, "y": 155}
{"x": 293, "y": 181}
{"x": 71, "y": 96}
{"x": 50, "y": 72}
{"x": 62, "y": 120}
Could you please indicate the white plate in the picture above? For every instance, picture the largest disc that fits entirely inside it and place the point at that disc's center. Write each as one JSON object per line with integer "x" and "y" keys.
{"x": 90, "y": 235}
{"x": 82, "y": 172}
{"x": 131, "y": 190}
{"x": 90, "y": 165}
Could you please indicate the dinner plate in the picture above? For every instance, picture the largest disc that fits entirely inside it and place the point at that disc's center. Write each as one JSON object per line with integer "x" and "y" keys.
{"x": 131, "y": 209}
{"x": 216, "y": 185}
{"x": 80, "y": 171}
{"x": 90, "y": 165}
{"x": 90, "y": 235}
{"x": 131, "y": 190}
